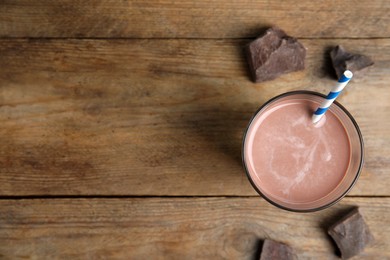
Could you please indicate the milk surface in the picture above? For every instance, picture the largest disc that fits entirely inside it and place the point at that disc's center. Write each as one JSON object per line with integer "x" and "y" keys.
{"x": 293, "y": 159}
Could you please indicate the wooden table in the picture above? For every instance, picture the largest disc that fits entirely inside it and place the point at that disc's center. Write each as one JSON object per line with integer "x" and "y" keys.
{"x": 121, "y": 126}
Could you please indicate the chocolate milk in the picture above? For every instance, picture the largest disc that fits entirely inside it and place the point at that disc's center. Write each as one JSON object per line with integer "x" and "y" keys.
{"x": 292, "y": 159}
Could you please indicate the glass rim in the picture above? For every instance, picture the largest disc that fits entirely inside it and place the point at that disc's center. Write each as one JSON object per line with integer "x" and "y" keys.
{"x": 344, "y": 110}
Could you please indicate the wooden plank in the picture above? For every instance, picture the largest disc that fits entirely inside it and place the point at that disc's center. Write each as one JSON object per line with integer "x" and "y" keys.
{"x": 193, "y": 19}
{"x": 158, "y": 117}
{"x": 181, "y": 228}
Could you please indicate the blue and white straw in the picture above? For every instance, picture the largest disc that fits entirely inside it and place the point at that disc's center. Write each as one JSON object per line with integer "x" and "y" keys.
{"x": 342, "y": 82}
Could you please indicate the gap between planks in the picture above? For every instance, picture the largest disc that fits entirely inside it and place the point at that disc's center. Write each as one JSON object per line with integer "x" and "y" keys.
{"x": 185, "y": 38}
{"x": 152, "y": 196}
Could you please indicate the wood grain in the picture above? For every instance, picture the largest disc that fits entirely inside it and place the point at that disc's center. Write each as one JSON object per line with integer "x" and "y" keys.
{"x": 159, "y": 117}
{"x": 181, "y": 228}
{"x": 193, "y": 19}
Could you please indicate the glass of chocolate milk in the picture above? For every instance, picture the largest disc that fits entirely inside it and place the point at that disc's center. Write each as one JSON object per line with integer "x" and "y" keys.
{"x": 295, "y": 164}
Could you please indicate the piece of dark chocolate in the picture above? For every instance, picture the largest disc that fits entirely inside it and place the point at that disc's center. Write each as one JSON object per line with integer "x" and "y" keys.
{"x": 351, "y": 234}
{"x": 273, "y": 250}
{"x": 274, "y": 53}
{"x": 343, "y": 60}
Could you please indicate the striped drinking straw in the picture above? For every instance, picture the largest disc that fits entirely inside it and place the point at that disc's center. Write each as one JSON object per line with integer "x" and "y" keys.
{"x": 342, "y": 82}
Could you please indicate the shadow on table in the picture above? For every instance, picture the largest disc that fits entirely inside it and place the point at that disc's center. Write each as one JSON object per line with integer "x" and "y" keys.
{"x": 222, "y": 124}
{"x": 327, "y": 69}
{"x": 221, "y": 127}
{"x": 259, "y": 248}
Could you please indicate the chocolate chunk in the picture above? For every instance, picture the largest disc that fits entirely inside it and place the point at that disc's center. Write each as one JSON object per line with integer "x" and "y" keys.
{"x": 343, "y": 61}
{"x": 273, "y": 250}
{"x": 351, "y": 234}
{"x": 273, "y": 54}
